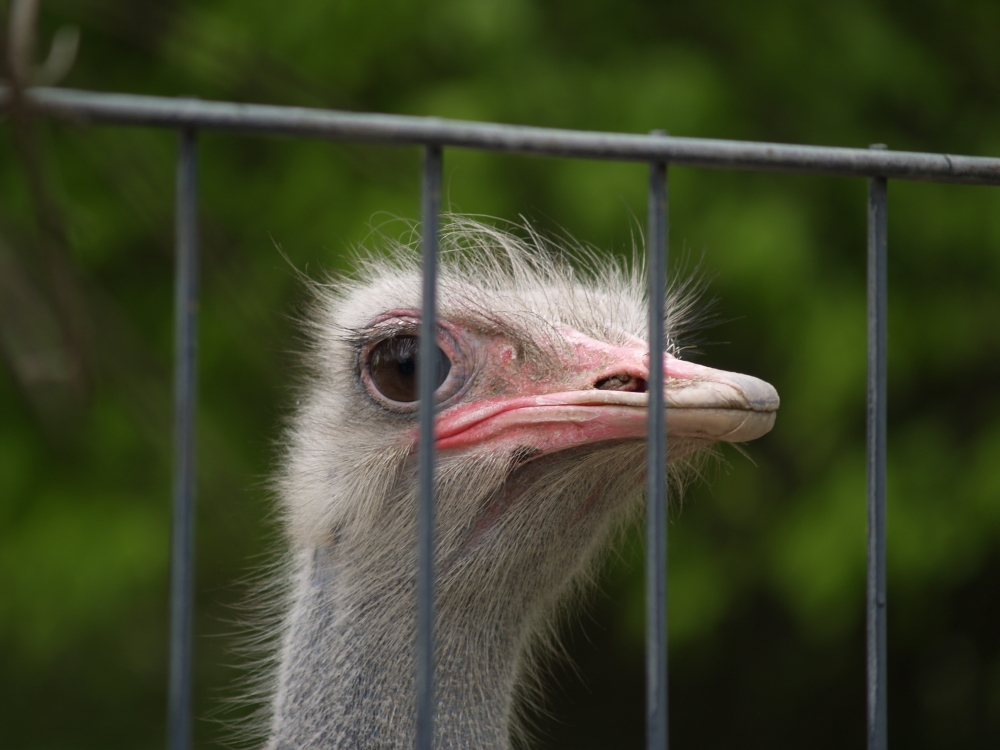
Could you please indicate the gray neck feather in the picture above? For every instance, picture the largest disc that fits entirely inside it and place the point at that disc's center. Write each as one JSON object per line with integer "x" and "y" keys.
{"x": 347, "y": 669}
{"x": 346, "y": 663}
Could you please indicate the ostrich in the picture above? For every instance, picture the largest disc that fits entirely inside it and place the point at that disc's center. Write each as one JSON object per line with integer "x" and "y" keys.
{"x": 540, "y": 432}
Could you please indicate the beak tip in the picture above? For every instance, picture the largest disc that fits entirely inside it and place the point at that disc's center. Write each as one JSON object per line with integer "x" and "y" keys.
{"x": 757, "y": 424}
{"x": 760, "y": 395}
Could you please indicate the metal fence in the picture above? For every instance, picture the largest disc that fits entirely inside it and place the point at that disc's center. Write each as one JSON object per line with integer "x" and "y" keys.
{"x": 188, "y": 116}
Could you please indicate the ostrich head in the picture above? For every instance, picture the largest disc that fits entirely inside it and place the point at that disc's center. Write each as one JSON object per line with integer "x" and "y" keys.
{"x": 540, "y": 428}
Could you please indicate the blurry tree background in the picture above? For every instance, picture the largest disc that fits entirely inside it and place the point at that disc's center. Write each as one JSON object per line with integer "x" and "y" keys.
{"x": 767, "y": 560}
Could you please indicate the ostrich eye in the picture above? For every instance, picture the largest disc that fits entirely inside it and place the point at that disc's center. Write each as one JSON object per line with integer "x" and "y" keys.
{"x": 393, "y": 367}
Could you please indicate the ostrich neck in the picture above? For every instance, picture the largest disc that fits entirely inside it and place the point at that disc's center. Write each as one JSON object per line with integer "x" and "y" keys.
{"x": 346, "y": 669}
{"x": 346, "y": 677}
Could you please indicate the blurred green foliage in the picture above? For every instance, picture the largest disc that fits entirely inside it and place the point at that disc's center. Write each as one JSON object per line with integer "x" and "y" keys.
{"x": 767, "y": 558}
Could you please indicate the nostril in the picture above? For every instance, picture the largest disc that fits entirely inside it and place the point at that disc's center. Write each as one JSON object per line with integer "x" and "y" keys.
{"x": 622, "y": 381}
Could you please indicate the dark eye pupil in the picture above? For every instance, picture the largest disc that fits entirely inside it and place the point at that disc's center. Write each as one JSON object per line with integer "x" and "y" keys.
{"x": 393, "y": 367}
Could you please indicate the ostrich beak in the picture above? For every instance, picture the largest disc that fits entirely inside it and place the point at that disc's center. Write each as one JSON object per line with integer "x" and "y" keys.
{"x": 702, "y": 404}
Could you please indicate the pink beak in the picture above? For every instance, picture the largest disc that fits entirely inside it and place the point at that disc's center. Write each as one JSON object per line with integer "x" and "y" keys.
{"x": 702, "y": 404}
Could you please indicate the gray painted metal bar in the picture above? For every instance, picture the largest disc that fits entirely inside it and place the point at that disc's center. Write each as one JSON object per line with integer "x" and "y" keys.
{"x": 430, "y": 209}
{"x": 656, "y": 474}
{"x": 877, "y": 367}
{"x": 130, "y": 109}
{"x": 182, "y": 533}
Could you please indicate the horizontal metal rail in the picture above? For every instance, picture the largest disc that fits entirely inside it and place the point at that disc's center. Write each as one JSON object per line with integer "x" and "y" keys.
{"x": 131, "y": 109}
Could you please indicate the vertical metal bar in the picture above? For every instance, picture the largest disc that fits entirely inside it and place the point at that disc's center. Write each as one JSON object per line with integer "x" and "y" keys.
{"x": 656, "y": 476}
{"x": 877, "y": 309}
{"x": 182, "y": 533}
{"x": 426, "y": 380}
